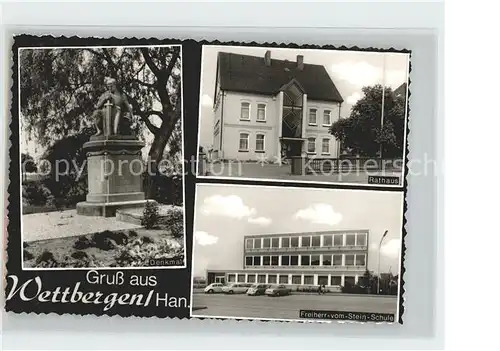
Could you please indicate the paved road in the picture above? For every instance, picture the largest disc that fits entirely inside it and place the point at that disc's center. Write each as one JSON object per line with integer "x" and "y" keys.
{"x": 287, "y": 307}
{"x": 272, "y": 171}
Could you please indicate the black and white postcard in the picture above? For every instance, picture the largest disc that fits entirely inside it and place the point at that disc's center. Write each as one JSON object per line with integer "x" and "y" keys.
{"x": 176, "y": 178}
{"x": 303, "y": 115}
{"x": 283, "y": 253}
{"x": 93, "y": 123}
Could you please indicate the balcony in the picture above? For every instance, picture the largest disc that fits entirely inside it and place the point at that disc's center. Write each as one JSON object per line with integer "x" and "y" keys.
{"x": 308, "y": 249}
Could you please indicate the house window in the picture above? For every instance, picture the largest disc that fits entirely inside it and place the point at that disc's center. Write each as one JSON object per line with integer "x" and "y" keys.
{"x": 249, "y": 260}
{"x": 360, "y": 260}
{"x": 296, "y": 279}
{"x": 323, "y": 280}
{"x": 272, "y": 279}
{"x": 325, "y": 146}
{"x": 336, "y": 280}
{"x": 245, "y": 111}
{"x": 308, "y": 280}
{"x": 256, "y": 244}
{"x": 311, "y": 145}
{"x": 327, "y": 240}
{"x": 350, "y": 240}
{"x": 306, "y": 241}
{"x": 241, "y": 278}
{"x": 338, "y": 240}
{"x": 316, "y": 241}
{"x": 349, "y": 280}
{"x": 267, "y": 261}
{"x": 337, "y": 260}
{"x": 285, "y": 242}
{"x": 361, "y": 240}
{"x": 259, "y": 142}
{"x": 275, "y": 242}
{"x": 305, "y": 260}
{"x": 274, "y": 260}
{"x": 285, "y": 260}
{"x": 251, "y": 278}
{"x": 261, "y": 112}
{"x": 249, "y": 244}
{"x": 294, "y": 260}
{"x": 315, "y": 260}
{"x": 327, "y": 120}
{"x": 256, "y": 260}
{"x": 231, "y": 278}
{"x": 312, "y": 116}
{"x": 244, "y": 137}
{"x": 283, "y": 279}
{"x": 295, "y": 242}
{"x": 349, "y": 260}
{"x": 267, "y": 242}
{"x": 261, "y": 278}
{"x": 327, "y": 260}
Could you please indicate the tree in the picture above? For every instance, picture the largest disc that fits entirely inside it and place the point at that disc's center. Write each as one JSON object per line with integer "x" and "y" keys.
{"x": 362, "y": 132}
{"x": 28, "y": 163}
{"x": 60, "y": 87}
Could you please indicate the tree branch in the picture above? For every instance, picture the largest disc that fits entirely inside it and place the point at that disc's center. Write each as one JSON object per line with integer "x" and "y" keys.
{"x": 149, "y": 62}
{"x": 143, "y": 115}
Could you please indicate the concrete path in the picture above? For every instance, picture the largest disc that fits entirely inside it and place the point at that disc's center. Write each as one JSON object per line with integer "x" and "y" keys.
{"x": 61, "y": 224}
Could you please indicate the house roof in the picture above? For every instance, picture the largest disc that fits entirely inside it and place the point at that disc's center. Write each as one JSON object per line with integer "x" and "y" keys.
{"x": 400, "y": 90}
{"x": 249, "y": 74}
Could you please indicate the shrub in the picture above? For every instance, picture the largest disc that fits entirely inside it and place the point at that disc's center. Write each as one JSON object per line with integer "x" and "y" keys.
{"x": 27, "y": 255}
{"x": 165, "y": 189}
{"x": 108, "y": 240}
{"x": 46, "y": 260}
{"x": 150, "y": 215}
{"x": 139, "y": 252}
{"x": 36, "y": 193}
{"x": 174, "y": 221}
{"x": 79, "y": 255}
{"x": 82, "y": 243}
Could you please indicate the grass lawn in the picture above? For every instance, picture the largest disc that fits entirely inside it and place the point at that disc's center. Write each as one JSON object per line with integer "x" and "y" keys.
{"x": 126, "y": 248}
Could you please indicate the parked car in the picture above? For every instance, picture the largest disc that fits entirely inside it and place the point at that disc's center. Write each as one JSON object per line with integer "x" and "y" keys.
{"x": 277, "y": 290}
{"x": 213, "y": 288}
{"x": 257, "y": 289}
{"x": 236, "y": 288}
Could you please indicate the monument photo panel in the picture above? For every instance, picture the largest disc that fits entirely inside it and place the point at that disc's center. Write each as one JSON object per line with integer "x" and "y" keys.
{"x": 316, "y": 116}
{"x": 101, "y": 157}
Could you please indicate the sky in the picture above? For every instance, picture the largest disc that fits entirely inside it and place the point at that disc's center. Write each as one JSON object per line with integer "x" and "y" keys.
{"x": 224, "y": 214}
{"x": 349, "y": 70}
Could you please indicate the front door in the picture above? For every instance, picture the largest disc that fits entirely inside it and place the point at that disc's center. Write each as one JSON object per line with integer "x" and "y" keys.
{"x": 291, "y": 148}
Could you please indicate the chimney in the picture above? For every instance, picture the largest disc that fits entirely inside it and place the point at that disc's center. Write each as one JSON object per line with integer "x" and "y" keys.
{"x": 300, "y": 62}
{"x": 267, "y": 58}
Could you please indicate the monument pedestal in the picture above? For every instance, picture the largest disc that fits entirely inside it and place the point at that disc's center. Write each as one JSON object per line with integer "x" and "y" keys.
{"x": 115, "y": 168}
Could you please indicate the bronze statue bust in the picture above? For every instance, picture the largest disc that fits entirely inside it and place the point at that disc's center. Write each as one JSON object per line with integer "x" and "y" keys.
{"x": 113, "y": 111}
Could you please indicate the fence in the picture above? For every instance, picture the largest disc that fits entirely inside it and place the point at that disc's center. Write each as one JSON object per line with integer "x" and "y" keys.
{"x": 352, "y": 164}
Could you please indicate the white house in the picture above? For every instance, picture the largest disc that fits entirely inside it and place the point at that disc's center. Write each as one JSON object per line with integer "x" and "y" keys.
{"x": 273, "y": 108}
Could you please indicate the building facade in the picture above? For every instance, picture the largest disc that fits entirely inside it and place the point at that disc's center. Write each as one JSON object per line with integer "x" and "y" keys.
{"x": 273, "y": 109}
{"x": 333, "y": 259}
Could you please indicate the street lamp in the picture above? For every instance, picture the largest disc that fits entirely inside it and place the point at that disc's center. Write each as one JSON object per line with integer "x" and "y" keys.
{"x": 378, "y": 271}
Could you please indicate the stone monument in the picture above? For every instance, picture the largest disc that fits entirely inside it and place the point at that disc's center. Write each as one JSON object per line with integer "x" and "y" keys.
{"x": 114, "y": 161}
